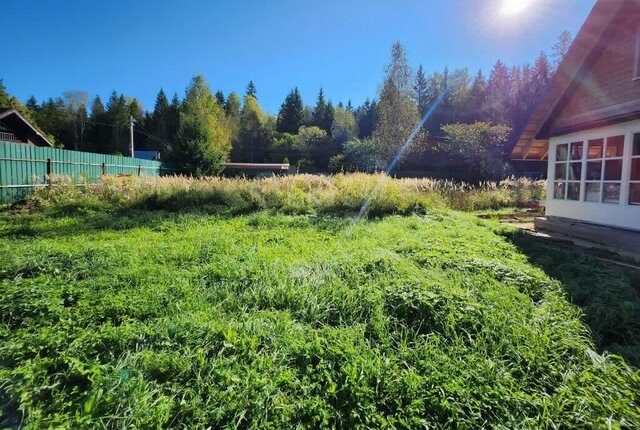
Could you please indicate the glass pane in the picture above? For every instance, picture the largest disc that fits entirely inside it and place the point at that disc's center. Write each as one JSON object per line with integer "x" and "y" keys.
{"x": 592, "y": 192}
{"x": 558, "y": 190}
{"x": 576, "y": 151}
{"x": 612, "y": 170}
{"x": 615, "y": 146}
{"x": 594, "y": 170}
{"x": 636, "y": 144}
{"x": 573, "y": 191}
{"x": 634, "y": 194}
{"x": 575, "y": 171}
{"x": 561, "y": 171}
{"x": 595, "y": 148}
{"x": 611, "y": 193}
{"x": 635, "y": 169}
{"x": 561, "y": 152}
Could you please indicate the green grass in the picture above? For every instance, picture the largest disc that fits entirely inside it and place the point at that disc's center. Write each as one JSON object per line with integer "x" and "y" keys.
{"x": 116, "y": 317}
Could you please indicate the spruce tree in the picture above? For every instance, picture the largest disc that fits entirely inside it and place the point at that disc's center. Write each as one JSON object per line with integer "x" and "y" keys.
{"x": 251, "y": 90}
{"x": 220, "y": 97}
{"x": 291, "y": 114}
{"x": 319, "y": 111}
{"x": 420, "y": 88}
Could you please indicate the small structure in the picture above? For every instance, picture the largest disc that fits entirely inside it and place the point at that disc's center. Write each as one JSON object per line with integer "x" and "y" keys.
{"x": 256, "y": 169}
{"x": 586, "y": 129}
{"x": 147, "y": 155}
{"x": 15, "y": 128}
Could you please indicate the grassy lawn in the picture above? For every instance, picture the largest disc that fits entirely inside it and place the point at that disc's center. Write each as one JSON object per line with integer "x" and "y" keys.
{"x": 121, "y": 317}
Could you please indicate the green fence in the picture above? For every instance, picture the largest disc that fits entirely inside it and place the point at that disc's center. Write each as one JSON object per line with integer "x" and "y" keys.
{"x": 24, "y": 168}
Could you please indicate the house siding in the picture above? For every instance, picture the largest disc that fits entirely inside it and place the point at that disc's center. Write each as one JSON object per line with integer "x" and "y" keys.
{"x": 608, "y": 92}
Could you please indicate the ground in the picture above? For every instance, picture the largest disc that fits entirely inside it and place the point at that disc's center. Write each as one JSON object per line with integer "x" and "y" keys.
{"x": 146, "y": 318}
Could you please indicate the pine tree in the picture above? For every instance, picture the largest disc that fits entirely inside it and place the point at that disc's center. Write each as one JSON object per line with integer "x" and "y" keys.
{"x": 542, "y": 73}
{"x": 476, "y": 101}
{"x": 367, "y": 118}
{"x": 561, "y": 48}
{"x": 291, "y": 115}
{"x": 421, "y": 91}
{"x": 319, "y": 111}
{"x": 203, "y": 142}
{"x": 251, "y": 90}
{"x": 498, "y": 94}
{"x": 220, "y": 97}
{"x": 327, "y": 121}
{"x": 97, "y": 133}
{"x": 32, "y": 105}
{"x": 349, "y": 106}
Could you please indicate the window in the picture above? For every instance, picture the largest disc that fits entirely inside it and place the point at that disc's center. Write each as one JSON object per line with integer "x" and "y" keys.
{"x": 604, "y": 170}
{"x": 634, "y": 177}
{"x": 568, "y": 171}
{"x": 596, "y": 167}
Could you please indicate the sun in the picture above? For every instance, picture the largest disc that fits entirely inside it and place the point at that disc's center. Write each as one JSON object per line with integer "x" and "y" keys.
{"x": 514, "y": 7}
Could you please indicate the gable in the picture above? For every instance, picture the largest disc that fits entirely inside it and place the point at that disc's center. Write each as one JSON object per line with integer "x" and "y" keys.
{"x": 531, "y": 142}
{"x": 607, "y": 91}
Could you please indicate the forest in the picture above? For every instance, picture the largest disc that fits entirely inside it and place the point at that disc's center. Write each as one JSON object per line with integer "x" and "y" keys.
{"x": 460, "y": 119}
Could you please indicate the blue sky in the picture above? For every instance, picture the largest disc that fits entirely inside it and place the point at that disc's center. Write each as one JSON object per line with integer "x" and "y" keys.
{"x": 137, "y": 47}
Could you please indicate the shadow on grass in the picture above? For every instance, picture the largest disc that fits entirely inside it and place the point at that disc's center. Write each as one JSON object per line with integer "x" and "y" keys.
{"x": 608, "y": 294}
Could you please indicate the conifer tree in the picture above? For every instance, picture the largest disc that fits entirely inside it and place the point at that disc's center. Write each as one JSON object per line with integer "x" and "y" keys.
{"x": 291, "y": 115}
{"x": 203, "y": 142}
{"x": 251, "y": 90}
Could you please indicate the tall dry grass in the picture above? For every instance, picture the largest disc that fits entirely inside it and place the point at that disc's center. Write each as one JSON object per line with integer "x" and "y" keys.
{"x": 338, "y": 194}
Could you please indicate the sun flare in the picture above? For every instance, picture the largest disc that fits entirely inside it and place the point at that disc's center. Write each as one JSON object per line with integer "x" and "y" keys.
{"x": 514, "y": 7}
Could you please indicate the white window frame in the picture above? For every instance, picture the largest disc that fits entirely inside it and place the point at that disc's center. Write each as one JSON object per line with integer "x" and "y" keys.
{"x": 632, "y": 157}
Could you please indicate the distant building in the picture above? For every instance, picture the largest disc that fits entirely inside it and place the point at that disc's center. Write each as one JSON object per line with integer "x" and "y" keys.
{"x": 586, "y": 126}
{"x": 147, "y": 155}
{"x": 16, "y": 129}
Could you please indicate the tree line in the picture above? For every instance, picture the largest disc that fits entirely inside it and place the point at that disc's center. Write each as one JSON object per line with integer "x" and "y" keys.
{"x": 449, "y": 114}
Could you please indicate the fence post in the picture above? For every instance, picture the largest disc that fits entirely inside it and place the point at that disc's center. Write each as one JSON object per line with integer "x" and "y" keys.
{"x": 104, "y": 169}
{"x": 139, "y": 169}
{"x": 49, "y": 171}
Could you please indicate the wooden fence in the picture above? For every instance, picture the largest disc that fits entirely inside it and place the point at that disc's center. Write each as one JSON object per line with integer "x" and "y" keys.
{"x": 25, "y": 167}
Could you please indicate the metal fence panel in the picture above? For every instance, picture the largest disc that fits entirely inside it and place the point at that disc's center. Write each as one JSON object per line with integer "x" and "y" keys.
{"x": 25, "y": 167}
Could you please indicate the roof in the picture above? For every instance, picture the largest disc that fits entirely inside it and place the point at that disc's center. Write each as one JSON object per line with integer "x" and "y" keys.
{"x": 532, "y": 141}
{"x": 16, "y": 122}
{"x": 257, "y": 166}
{"x": 147, "y": 155}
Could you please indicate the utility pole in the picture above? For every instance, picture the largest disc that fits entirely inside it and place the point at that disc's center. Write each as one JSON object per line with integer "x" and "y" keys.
{"x": 131, "y": 121}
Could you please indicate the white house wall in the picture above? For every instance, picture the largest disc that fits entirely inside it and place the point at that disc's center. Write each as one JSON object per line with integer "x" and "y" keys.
{"x": 623, "y": 214}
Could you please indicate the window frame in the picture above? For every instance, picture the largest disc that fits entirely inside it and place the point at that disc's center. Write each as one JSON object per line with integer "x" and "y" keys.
{"x": 633, "y": 157}
{"x": 583, "y": 182}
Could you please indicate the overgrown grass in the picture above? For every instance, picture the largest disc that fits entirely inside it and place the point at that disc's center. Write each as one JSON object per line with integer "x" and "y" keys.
{"x": 153, "y": 319}
{"x": 299, "y": 194}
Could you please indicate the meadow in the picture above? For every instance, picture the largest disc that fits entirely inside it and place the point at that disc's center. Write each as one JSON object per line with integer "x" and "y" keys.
{"x": 220, "y": 303}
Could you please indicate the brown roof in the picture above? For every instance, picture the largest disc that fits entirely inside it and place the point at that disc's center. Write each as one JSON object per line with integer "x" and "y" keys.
{"x": 531, "y": 142}
{"x": 18, "y": 123}
{"x": 259, "y": 166}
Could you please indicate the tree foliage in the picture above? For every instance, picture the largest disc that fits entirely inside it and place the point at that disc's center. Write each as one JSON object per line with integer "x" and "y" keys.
{"x": 203, "y": 142}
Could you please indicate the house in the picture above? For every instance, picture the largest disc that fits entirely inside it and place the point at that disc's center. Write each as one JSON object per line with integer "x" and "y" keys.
{"x": 586, "y": 129}
{"x": 16, "y": 128}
